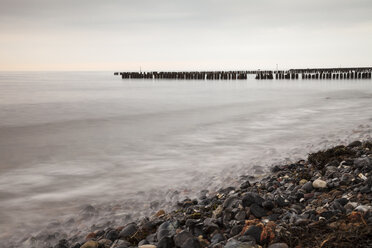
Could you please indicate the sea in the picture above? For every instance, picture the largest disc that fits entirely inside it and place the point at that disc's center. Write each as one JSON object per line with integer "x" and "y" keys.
{"x": 127, "y": 148}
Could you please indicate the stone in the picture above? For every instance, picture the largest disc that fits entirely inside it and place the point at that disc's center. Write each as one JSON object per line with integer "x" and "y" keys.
{"x": 181, "y": 238}
{"x": 76, "y": 245}
{"x": 105, "y": 243}
{"x": 278, "y": 245}
{"x": 308, "y": 196}
{"x": 90, "y": 244}
{"x": 209, "y": 225}
{"x": 257, "y": 211}
{"x": 245, "y": 185}
{"x": 120, "y": 244}
{"x": 319, "y": 184}
{"x": 342, "y": 201}
{"x": 240, "y": 215}
{"x": 365, "y": 189}
{"x": 346, "y": 179}
{"x": 362, "y": 162}
{"x": 327, "y": 214}
{"x": 363, "y": 208}
{"x": 166, "y": 242}
{"x": 231, "y": 202}
{"x": 160, "y": 213}
{"x": 191, "y": 243}
{"x": 251, "y": 198}
{"x": 355, "y": 144}
{"x": 255, "y": 232}
{"x": 302, "y": 182}
{"x": 143, "y": 242}
{"x": 307, "y": 187}
{"x": 273, "y": 217}
{"x": 112, "y": 235}
{"x": 217, "y": 212}
{"x": 90, "y": 236}
{"x": 268, "y": 204}
{"x": 233, "y": 243}
{"x": 217, "y": 238}
{"x": 63, "y": 243}
{"x": 236, "y": 229}
{"x": 281, "y": 202}
{"x": 128, "y": 231}
{"x": 147, "y": 246}
{"x": 167, "y": 229}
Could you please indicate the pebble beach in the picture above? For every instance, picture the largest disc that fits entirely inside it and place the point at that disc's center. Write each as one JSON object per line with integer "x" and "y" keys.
{"x": 321, "y": 201}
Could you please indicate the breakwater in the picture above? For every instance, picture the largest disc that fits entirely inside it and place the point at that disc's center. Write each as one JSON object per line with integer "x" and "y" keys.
{"x": 310, "y": 73}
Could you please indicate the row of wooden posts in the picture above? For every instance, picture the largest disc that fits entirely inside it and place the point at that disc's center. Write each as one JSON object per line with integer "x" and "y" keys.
{"x": 330, "y": 73}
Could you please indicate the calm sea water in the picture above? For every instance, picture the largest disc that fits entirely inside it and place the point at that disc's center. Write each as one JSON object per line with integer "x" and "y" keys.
{"x": 69, "y": 139}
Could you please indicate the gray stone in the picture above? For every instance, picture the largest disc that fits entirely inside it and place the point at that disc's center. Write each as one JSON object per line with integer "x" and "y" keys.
{"x": 258, "y": 211}
{"x": 319, "y": 184}
{"x": 181, "y": 238}
{"x": 278, "y": 245}
{"x": 191, "y": 243}
{"x": 166, "y": 242}
{"x": 167, "y": 229}
{"x": 128, "y": 231}
{"x": 308, "y": 187}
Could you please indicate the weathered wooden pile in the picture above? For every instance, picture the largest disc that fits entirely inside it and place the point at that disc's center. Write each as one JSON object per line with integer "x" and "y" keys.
{"x": 319, "y": 73}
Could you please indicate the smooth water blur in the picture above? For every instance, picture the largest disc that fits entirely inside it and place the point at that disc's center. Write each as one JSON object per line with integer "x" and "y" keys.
{"x": 68, "y": 139}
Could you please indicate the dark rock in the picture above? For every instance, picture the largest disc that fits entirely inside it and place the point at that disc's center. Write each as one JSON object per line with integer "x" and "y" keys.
{"x": 233, "y": 243}
{"x": 217, "y": 238}
{"x": 299, "y": 195}
{"x": 181, "y": 238}
{"x": 190, "y": 223}
{"x": 240, "y": 215}
{"x": 245, "y": 185}
{"x": 307, "y": 187}
{"x": 167, "y": 229}
{"x": 255, "y": 232}
{"x": 251, "y": 198}
{"x": 275, "y": 169}
{"x": 128, "y": 231}
{"x": 112, "y": 235}
{"x": 191, "y": 243}
{"x": 308, "y": 196}
{"x": 365, "y": 189}
{"x": 227, "y": 215}
{"x": 355, "y": 144}
{"x": 63, "y": 243}
{"x": 327, "y": 214}
{"x": 346, "y": 179}
{"x": 342, "y": 201}
{"x": 362, "y": 162}
{"x": 236, "y": 229}
{"x": 210, "y": 225}
{"x": 166, "y": 242}
{"x": 257, "y": 211}
{"x": 268, "y": 204}
{"x": 273, "y": 217}
{"x": 280, "y": 201}
{"x": 77, "y": 245}
{"x": 231, "y": 202}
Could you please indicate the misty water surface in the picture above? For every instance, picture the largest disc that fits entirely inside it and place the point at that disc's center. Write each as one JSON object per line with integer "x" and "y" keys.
{"x": 69, "y": 139}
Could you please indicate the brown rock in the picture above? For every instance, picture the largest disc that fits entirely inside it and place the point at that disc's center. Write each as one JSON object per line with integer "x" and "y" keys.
{"x": 90, "y": 244}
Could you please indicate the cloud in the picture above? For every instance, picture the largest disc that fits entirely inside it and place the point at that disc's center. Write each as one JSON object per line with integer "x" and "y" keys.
{"x": 170, "y": 32}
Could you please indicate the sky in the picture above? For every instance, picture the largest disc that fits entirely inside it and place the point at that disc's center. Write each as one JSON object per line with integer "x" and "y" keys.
{"x": 126, "y": 35}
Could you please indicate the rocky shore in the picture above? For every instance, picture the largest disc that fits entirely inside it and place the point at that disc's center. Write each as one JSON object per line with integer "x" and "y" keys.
{"x": 324, "y": 201}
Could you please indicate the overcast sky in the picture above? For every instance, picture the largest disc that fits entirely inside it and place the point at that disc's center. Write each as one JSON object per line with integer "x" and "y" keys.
{"x": 184, "y": 35}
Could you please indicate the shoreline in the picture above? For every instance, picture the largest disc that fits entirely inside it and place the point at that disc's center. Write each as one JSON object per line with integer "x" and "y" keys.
{"x": 324, "y": 201}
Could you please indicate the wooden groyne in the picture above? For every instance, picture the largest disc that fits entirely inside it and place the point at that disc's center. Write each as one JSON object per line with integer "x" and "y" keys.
{"x": 315, "y": 73}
